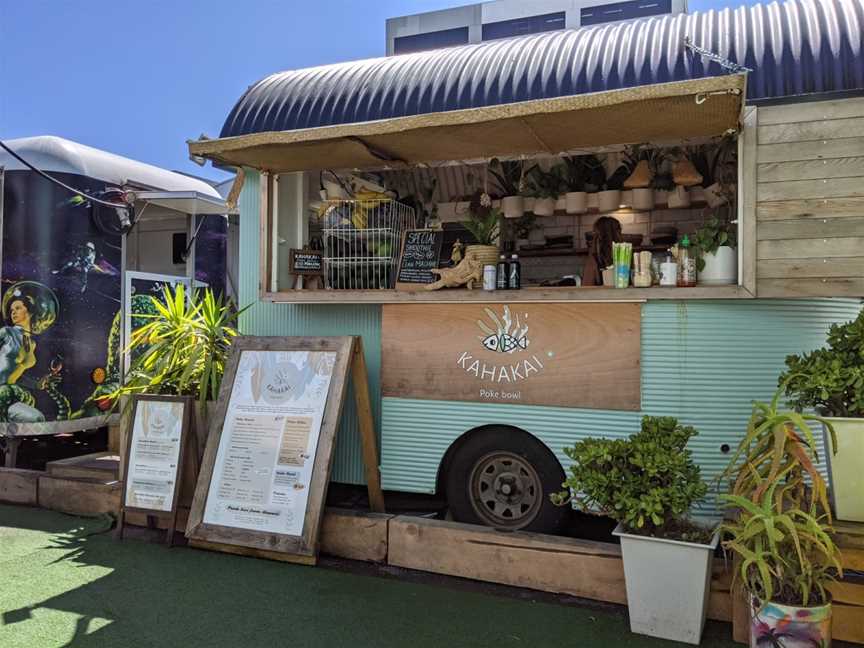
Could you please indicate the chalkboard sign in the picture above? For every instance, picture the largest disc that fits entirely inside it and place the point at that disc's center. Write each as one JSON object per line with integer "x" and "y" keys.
{"x": 306, "y": 262}
{"x": 421, "y": 251}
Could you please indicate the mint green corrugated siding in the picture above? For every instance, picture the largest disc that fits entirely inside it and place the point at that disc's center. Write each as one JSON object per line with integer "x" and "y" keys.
{"x": 701, "y": 361}
{"x": 290, "y": 319}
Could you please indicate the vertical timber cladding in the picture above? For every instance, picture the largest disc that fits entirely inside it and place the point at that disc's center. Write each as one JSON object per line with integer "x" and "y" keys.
{"x": 810, "y": 199}
{"x": 569, "y": 355}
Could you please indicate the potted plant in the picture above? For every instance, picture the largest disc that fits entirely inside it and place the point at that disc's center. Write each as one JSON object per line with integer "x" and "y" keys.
{"x": 831, "y": 381}
{"x": 575, "y": 172}
{"x": 642, "y": 163}
{"x": 484, "y": 226}
{"x": 780, "y": 534}
{"x": 718, "y": 166}
{"x": 716, "y": 257}
{"x": 609, "y": 196}
{"x": 545, "y": 187}
{"x": 648, "y": 483}
{"x": 182, "y": 349}
{"x": 508, "y": 174}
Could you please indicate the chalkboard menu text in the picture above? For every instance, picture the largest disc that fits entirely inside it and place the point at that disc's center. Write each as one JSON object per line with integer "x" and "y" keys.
{"x": 421, "y": 251}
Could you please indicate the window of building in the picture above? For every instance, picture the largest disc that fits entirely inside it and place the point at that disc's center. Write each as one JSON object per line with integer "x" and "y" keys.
{"x": 624, "y": 11}
{"x": 522, "y": 26}
{"x": 430, "y": 40}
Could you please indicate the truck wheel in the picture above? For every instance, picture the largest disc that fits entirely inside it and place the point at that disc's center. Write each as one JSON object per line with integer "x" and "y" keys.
{"x": 502, "y": 477}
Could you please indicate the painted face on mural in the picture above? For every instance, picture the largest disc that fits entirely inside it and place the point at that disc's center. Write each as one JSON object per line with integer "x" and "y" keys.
{"x": 19, "y": 315}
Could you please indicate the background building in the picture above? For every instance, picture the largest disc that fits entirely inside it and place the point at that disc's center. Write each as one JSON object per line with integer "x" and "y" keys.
{"x": 485, "y": 21}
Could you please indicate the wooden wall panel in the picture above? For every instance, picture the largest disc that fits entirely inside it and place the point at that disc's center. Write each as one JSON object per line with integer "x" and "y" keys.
{"x": 810, "y": 200}
{"x": 570, "y": 355}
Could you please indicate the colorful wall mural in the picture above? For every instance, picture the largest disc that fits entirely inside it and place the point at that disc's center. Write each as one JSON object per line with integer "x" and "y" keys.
{"x": 61, "y": 260}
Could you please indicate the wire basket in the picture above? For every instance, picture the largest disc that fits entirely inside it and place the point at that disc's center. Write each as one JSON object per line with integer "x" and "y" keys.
{"x": 361, "y": 242}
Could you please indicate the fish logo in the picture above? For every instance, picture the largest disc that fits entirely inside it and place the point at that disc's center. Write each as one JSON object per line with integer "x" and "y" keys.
{"x": 509, "y": 334}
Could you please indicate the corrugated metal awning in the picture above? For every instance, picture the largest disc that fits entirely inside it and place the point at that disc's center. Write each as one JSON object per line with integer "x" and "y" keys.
{"x": 658, "y": 112}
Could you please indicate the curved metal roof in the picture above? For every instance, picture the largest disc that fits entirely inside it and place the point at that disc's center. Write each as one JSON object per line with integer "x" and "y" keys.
{"x": 799, "y": 47}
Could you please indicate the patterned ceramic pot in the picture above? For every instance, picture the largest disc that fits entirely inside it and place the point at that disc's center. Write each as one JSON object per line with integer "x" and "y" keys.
{"x": 787, "y": 626}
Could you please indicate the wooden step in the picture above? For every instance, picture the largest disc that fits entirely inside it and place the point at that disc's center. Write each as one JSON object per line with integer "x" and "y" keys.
{"x": 98, "y": 466}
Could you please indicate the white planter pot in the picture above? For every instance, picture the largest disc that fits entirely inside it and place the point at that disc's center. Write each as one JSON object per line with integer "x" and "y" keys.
{"x": 576, "y": 202}
{"x": 846, "y": 468}
{"x": 713, "y": 195}
{"x": 608, "y": 201}
{"x": 513, "y": 206}
{"x": 721, "y": 267}
{"x": 667, "y": 585}
{"x": 679, "y": 198}
{"x": 643, "y": 199}
{"x": 544, "y": 206}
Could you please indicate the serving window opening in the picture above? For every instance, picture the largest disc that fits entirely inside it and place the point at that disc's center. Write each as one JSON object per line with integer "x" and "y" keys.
{"x": 400, "y": 234}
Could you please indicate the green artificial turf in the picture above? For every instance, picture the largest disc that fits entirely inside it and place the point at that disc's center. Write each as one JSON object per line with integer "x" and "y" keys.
{"x": 63, "y": 582}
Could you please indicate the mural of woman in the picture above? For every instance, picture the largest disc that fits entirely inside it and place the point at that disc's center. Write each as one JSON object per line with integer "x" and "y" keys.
{"x": 29, "y": 308}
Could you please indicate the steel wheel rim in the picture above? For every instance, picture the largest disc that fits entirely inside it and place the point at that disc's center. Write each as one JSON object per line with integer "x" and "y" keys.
{"x": 505, "y": 490}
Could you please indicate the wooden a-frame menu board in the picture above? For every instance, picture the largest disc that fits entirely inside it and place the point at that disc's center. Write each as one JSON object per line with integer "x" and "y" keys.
{"x": 264, "y": 476}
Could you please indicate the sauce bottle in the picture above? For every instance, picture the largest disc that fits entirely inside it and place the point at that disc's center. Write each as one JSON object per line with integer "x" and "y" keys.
{"x": 686, "y": 265}
{"x": 514, "y": 273}
{"x": 502, "y": 277}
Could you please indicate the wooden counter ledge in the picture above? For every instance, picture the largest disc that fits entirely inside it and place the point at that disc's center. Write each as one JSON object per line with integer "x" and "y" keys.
{"x": 532, "y": 294}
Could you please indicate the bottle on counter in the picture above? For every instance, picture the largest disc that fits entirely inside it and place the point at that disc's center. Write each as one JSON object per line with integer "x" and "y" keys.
{"x": 686, "y": 264}
{"x": 514, "y": 273}
{"x": 669, "y": 272}
{"x": 502, "y": 276}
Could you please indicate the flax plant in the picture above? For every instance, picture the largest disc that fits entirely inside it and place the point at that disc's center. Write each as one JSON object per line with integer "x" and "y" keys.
{"x": 781, "y": 533}
{"x": 183, "y": 347}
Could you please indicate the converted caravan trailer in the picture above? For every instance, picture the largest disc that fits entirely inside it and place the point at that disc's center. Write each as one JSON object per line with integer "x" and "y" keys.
{"x": 471, "y": 407}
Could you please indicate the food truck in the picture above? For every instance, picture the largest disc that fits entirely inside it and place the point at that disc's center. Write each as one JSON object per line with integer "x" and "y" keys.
{"x": 75, "y": 268}
{"x": 361, "y": 178}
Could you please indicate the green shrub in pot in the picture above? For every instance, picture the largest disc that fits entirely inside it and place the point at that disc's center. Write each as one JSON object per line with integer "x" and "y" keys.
{"x": 715, "y": 243}
{"x": 648, "y": 483}
{"x": 780, "y": 531}
{"x": 545, "y": 187}
{"x": 831, "y": 381}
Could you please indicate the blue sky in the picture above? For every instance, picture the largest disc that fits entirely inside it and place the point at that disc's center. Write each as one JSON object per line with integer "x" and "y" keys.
{"x": 140, "y": 78}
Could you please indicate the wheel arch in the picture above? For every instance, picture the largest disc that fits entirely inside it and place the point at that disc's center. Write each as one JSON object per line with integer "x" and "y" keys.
{"x": 454, "y": 447}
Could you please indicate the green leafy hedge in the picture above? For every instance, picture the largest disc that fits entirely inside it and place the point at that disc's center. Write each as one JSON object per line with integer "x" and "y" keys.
{"x": 647, "y": 482}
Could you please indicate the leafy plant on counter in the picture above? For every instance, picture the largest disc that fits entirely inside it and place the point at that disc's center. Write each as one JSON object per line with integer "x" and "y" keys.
{"x": 485, "y": 222}
{"x": 782, "y": 530}
{"x": 544, "y": 184}
{"x": 184, "y": 346}
{"x": 508, "y": 175}
{"x": 710, "y": 236}
{"x": 831, "y": 379}
{"x": 647, "y": 482}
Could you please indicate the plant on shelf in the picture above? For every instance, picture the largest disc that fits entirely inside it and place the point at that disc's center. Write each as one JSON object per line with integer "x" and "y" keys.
{"x": 484, "y": 225}
{"x": 717, "y": 163}
{"x": 831, "y": 381}
{"x": 425, "y": 210}
{"x": 780, "y": 534}
{"x": 544, "y": 187}
{"x": 642, "y": 164}
{"x": 183, "y": 346}
{"x": 576, "y": 173}
{"x": 648, "y": 483}
{"x": 609, "y": 191}
{"x": 716, "y": 260}
{"x": 509, "y": 174}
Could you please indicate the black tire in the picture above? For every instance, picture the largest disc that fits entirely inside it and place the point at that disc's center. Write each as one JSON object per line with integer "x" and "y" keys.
{"x": 502, "y": 477}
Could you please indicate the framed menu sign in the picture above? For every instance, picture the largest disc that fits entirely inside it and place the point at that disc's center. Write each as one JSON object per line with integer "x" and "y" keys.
{"x": 156, "y": 447}
{"x": 421, "y": 252}
{"x": 266, "y": 467}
